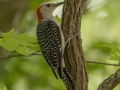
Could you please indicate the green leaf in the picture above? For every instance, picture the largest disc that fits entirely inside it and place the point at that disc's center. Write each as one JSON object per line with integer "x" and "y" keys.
{"x": 107, "y": 45}
{"x": 115, "y": 56}
{"x": 58, "y": 19}
{"x": 5, "y": 43}
{"x": 115, "y": 53}
{"x": 115, "y": 50}
{"x": 19, "y": 43}
{"x": 8, "y": 34}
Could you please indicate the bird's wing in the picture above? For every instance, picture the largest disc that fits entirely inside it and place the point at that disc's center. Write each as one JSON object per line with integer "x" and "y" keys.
{"x": 49, "y": 38}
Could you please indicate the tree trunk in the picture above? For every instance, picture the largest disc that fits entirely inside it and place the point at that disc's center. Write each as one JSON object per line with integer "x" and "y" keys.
{"x": 74, "y": 57}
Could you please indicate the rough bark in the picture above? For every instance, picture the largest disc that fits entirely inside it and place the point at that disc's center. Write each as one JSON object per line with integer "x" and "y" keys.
{"x": 74, "y": 57}
{"x": 111, "y": 82}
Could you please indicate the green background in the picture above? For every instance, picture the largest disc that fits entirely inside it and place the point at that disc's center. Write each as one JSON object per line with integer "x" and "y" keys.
{"x": 100, "y": 23}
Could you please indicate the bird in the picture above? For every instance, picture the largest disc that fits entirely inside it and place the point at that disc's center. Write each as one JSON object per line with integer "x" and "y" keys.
{"x": 51, "y": 40}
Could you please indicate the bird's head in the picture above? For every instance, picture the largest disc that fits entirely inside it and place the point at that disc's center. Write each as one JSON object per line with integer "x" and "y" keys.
{"x": 46, "y": 9}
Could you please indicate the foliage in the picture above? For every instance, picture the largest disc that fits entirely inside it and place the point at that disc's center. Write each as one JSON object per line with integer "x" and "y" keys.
{"x": 114, "y": 53}
{"x": 100, "y": 23}
{"x": 26, "y": 73}
{"x": 19, "y": 43}
{"x": 57, "y": 17}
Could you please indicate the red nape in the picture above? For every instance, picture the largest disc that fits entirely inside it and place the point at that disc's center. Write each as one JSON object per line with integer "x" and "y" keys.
{"x": 39, "y": 15}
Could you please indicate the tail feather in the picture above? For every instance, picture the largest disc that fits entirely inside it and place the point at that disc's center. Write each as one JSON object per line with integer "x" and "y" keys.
{"x": 65, "y": 76}
{"x": 67, "y": 79}
{"x": 60, "y": 72}
{"x": 54, "y": 73}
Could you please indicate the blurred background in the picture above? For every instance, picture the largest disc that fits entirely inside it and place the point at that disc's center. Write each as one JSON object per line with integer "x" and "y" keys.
{"x": 100, "y": 23}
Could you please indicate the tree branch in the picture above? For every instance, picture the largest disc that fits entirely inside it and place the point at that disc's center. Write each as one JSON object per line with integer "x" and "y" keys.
{"x": 102, "y": 63}
{"x": 111, "y": 82}
{"x": 19, "y": 55}
{"x": 36, "y": 53}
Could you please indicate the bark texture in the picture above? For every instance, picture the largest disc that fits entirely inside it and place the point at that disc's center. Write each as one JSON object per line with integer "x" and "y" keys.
{"x": 74, "y": 57}
{"x": 111, "y": 82}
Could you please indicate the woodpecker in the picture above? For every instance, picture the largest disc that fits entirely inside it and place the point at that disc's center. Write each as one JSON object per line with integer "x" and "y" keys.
{"x": 51, "y": 40}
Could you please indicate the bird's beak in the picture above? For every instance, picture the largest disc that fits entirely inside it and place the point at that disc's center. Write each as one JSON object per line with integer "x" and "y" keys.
{"x": 58, "y": 4}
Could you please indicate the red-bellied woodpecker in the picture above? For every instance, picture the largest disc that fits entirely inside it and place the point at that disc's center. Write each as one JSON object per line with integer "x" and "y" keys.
{"x": 51, "y": 40}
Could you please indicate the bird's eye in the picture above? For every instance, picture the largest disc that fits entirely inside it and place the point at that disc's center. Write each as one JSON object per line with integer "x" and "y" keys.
{"x": 48, "y": 5}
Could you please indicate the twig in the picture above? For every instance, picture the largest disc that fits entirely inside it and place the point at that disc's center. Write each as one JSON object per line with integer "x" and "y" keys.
{"x": 36, "y": 53}
{"x": 102, "y": 63}
{"x": 19, "y": 55}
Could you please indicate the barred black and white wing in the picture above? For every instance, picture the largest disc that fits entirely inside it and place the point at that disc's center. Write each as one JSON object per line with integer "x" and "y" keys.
{"x": 49, "y": 38}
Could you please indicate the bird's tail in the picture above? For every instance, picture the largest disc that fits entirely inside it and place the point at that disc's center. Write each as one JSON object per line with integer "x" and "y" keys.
{"x": 67, "y": 79}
